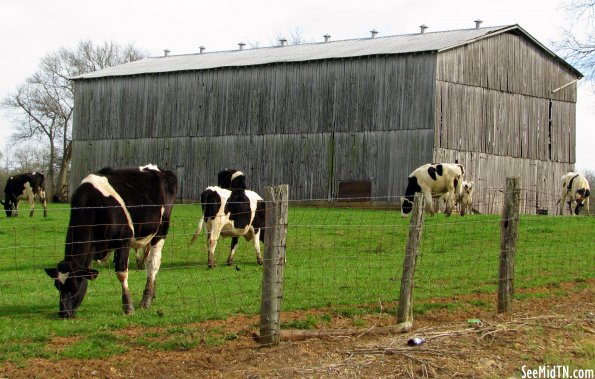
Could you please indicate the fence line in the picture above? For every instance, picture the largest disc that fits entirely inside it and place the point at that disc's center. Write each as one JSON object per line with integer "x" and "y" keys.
{"x": 336, "y": 258}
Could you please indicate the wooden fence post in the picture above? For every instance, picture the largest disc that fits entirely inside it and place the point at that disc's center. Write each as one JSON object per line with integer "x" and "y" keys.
{"x": 509, "y": 231}
{"x": 405, "y": 310}
{"x": 274, "y": 263}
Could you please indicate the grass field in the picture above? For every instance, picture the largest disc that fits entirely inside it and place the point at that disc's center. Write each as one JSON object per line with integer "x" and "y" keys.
{"x": 344, "y": 258}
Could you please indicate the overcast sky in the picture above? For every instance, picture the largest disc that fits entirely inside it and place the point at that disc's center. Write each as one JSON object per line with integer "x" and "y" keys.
{"x": 29, "y": 29}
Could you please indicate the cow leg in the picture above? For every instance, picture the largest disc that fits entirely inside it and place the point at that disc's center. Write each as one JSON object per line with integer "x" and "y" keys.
{"x": 257, "y": 247}
{"x": 15, "y": 213}
{"x": 121, "y": 264}
{"x": 212, "y": 244}
{"x": 562, "y": 201}
{"x": 234, "y": 246}
{"x": 44, "y": 203}
{"x": 429, "y": 202}
{"x": 572, "y": 207}
{"x": 153, "y": 264}
{"x": 450, "y": 203}
{"x": 31, "y": 205}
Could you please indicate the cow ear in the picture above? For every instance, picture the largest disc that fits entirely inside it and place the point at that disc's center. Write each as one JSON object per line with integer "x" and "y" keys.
{"x": 89, "y": 273}
{"x": 52, "y": 272}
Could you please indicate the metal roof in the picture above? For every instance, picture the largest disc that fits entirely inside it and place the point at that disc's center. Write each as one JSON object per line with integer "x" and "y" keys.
{"x": 400, "y": 44}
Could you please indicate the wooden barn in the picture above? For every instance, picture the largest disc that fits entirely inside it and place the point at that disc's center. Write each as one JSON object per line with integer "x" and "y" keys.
{"x": 339, "y": 119}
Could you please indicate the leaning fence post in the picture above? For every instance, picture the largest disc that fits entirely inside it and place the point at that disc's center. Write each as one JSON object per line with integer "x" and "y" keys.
{"x": 273, "y": 263}
{"x": 405, "y": 310}
{"x": 509, "y": 231}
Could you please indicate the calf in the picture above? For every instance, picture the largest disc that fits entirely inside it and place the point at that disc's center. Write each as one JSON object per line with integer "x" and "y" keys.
{"x": 575, "y": 192}
{"x": 231, "y": 179}
{"x": 24, "y": 186}
{"x": 465, "y": 197}
{"x": 440, "y": 179}
{"x": 231, "y": 214}
{"x": 114, "y": 209}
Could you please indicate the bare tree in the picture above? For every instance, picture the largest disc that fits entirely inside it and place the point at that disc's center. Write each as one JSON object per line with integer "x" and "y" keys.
{"x": 579, "y": 49}
{"x": 590, "y": 175}
{"x": 293, "y": 37}
{"x": 42, "y": 107}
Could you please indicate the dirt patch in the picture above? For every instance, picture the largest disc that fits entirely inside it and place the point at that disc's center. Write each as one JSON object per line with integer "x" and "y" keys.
{"x": 558, "y": 329}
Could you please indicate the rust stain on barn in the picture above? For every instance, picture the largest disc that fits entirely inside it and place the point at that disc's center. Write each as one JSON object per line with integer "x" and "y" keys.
{"x": 373, "y": 109}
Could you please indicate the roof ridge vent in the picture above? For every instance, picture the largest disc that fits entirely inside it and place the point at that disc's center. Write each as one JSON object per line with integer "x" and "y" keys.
{"x": 166, "y": 52}
{"x": 201, "y": 49}
{"x": 327, "y": 37}
{"x": 373, "y": 33}
{"x": 477, "y": 23}
{"x": 282, "y": 41}
{"x": 241, "y": 45}
{"x": 422, "y": 28}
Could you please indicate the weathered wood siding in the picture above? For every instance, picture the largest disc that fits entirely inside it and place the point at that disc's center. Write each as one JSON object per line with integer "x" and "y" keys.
{"x": 507, "y": 63}
{"x": 309, "y": 125}
{"x": 496, "y": 114}
{"x": 476, "y": 119}
{"x": 304, "y": 161}
{"x": 361, "y": 94}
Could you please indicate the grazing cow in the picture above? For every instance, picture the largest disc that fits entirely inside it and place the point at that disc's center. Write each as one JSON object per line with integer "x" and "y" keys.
{"x": 231, "y": 214}
{"x": 575, "y": 192}
{"x": 114, "y": 209}
{"x": 231, "y": 179}
{"x": 439, "y": 179}
{"x": 24, "y": 186}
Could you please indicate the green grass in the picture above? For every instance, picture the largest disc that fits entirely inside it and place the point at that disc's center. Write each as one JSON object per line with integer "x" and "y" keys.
{"x": 339, "y": 258}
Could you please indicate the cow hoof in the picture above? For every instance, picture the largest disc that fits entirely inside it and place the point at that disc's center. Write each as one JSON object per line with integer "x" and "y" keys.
{"x": 128, "y": 310}
{"x": 211, "y": 265}
{"x": 259, "y": 261}
{"x": 229, "y": 262}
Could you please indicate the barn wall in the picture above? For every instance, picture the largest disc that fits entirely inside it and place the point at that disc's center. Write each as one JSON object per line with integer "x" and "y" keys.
{"x": 496, "y": 114}
{"x": 540, "y": 180}
{"x": 508, "y": 63}
{"x": 360, "y": 94}
{"x": 482, "y": 120}
{"x": 306, "y": 124}
{"x": 303, "y": 161}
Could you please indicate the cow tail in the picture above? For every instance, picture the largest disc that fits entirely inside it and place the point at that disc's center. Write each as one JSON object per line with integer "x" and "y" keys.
{"x": 197, "y": 231}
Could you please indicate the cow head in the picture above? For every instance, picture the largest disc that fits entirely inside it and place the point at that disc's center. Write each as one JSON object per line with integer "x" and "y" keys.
{"x": 406, "y": 206}
{"x": 9, "y": 206}
{"x": 71, "y": 282}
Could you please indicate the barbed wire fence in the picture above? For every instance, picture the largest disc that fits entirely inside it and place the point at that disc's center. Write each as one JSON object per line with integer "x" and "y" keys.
{"x": 339, "y": 257}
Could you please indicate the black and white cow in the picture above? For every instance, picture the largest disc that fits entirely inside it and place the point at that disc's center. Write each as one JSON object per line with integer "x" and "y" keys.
{"x": 114, "y": 209}
{"x": 24, "y": 186}
{"x": 232, "y": 214}
{"x": 434, "y": 180}
{"x": 575, "y": 192}
{"x": 231, "y": 179}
